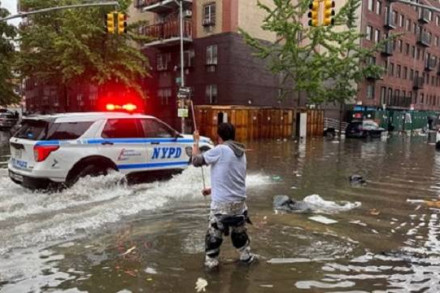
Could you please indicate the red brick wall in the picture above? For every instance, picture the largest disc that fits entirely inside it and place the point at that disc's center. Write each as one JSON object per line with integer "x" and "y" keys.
{"x": 401, "y": 58}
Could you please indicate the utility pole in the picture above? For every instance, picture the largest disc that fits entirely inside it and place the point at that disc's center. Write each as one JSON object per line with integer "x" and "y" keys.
{"x": 182, "y": 61}
{"x": 24, "y": 14}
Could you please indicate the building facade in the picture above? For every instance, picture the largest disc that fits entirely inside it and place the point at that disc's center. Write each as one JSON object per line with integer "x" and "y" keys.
{"x": 219, "y": 67}
{"x": 411, "y": 61}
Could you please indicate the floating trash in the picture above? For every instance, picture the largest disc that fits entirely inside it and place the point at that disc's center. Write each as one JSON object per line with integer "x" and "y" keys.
{"x": 201, "y": 285}
{"x": 323, "y": 220}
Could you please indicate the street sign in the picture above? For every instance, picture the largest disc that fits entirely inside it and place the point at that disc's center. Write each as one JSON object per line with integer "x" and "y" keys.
{"x": 184, "y": 93}
{"x": 182, "y": 113}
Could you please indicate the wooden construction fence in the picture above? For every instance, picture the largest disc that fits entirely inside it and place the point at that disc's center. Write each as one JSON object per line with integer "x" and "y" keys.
{"x": 315, "y": 122}
{"x": 253, "y": 123}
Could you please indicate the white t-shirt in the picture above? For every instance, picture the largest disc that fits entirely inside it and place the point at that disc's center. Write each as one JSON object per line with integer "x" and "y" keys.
{"x": 228, "y": 175}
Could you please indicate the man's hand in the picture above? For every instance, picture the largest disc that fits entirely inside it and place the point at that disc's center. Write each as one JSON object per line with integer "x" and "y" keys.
{"x": 196, "y": 136}
{"x": 206, "y": 191}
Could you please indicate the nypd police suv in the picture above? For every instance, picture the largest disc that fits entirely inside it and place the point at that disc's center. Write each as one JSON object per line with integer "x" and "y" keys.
{"x": 59, "y": 149}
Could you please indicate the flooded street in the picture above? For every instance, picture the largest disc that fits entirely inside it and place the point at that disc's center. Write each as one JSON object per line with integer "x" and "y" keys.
{"x": 103, "y": 237}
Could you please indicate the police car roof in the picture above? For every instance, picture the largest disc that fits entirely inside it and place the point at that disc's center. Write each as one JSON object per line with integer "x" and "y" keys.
{"x": 87, "y": 116}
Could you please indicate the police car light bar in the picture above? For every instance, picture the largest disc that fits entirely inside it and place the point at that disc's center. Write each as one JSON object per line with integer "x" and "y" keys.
{"x": 127, "y": 107}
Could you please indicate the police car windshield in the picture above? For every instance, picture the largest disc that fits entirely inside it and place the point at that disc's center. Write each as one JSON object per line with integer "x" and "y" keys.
{"x": 47, "y": 130}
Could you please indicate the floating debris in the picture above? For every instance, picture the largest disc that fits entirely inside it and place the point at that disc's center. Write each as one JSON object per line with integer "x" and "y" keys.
{"x": 201, "y": 285}
{"x": 323, "y": 220}
{"x": 151, "y": 271}
{"x": 129, "y": 250}
{"x": 374, "y": 212}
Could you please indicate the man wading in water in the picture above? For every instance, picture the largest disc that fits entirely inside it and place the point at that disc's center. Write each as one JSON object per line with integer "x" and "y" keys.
{"x": 228, "y": 194}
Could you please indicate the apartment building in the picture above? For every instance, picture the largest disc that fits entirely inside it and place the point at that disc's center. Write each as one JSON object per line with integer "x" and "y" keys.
{"x": 411, "y": 61}
{"x": 219, "y": 67}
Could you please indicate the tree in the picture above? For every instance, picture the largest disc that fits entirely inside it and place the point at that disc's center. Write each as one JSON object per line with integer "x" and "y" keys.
{"x": 71, "y": 47}
{"x": 324, "y": 62}
{"x": 7, "y": 53}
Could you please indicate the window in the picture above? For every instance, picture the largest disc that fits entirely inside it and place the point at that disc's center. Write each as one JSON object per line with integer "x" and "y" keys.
{"x": 391, "y": 69}
{"x": 33, "y": 129}
{"x": 395, "y": 15}
{"x": 383, "y": 93}
{"x": 211, "y": 55}
{"x": 370, "y": 5}
{"x": 163, "y": 61}
{"x": 377, "y": 36}
{"x": 405, "y": 72}
{"x": 378, "y": 7}
{"x": 436, "y": 41}
{"x": 413, "y": 52}
{"x": 121, "y": 128}
{"x": 67, "y": 130}
{"x": 408, "y": 25}
{"x": 401, "y": 20}
{"x": 154, "y": 128}
{"x": 211, "y": 93}
{"x": 418, "y": 53}
{"x": 164, "y": 95}
{"x": 398, "y": 71}
{"x": 432, "y": 80}
{"x": 406, "y": 49}
{"x": 415, "y": 28}
{"x": 188, "y": 58}
{"x": 437, "y": 20}
{"x": 399, "y": 45}
{"x": 421, "y": 98}
{"x": 370, "y": 91}
{"x": 390, "y": 95}
{"x": 369, "y": 33}
{"x": 209, "y": 14}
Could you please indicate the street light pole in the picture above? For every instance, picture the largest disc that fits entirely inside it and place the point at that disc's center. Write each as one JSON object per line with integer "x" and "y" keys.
{"x": 182, "y": 72}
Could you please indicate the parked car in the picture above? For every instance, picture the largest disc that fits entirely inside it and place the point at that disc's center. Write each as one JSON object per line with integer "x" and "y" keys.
{"x": 7, "y": 120}
{"x": 57, "y": 150}
{"x": 363, "y": 129}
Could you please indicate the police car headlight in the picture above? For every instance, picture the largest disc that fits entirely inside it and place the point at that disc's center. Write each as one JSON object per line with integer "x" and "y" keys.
{"x": 188, "y": 151}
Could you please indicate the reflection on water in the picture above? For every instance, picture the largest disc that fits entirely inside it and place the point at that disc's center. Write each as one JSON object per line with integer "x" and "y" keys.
{"x": 104, "y": 237}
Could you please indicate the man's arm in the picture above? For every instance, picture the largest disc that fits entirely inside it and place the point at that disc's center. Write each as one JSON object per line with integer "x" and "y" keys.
{"x": 197, "y": 158}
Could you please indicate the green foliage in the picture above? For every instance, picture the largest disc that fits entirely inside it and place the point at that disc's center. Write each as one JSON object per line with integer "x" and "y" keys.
{"x": 7, "y": 54}
{"x": 324, "y": 62}
{"x": 71, "y": 47}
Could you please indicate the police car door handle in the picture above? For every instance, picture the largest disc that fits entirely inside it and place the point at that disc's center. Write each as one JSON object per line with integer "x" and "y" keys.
{"x": 106, "y": 143}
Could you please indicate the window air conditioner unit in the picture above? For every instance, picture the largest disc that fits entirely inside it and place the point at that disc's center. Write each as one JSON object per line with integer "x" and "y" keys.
{"x": 187, "y": 13}
{"x": 208, "y": 22}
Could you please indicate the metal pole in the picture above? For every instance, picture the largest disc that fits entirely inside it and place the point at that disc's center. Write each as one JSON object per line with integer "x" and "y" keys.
{"x": 24, "y": 14}
{"x": 182, "y": 72}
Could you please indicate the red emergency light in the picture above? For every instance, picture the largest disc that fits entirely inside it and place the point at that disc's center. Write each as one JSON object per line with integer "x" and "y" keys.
{"x": 126, "y": 107}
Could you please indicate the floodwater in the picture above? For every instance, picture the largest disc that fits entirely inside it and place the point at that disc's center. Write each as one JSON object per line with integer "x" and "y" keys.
{"x": 103, "y": 237}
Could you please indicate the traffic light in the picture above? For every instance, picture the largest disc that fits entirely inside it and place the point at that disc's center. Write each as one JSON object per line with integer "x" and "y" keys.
{"x": 329, "y": 12}
{"x": 110, "y": 22}
{"x": 313, "y": 13}
{"x": 122, "y": 23}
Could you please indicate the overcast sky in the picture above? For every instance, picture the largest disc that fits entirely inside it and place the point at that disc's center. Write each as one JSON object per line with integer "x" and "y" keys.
{"x": 11, "y": 6}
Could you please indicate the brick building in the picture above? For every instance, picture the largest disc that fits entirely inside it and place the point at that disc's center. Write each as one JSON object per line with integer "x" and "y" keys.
{"x": 411, "y": 62}
{"x": 218, "y": 66}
